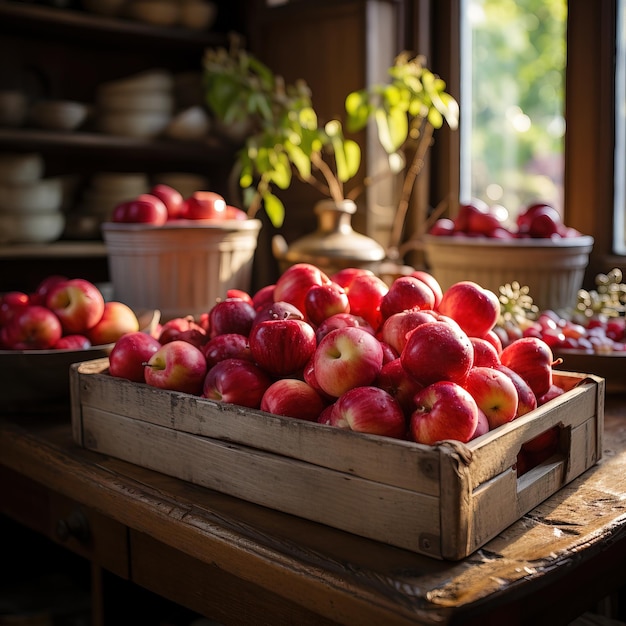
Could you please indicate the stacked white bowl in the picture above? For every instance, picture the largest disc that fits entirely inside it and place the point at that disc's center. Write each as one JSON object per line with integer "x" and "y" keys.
{"x": 139, "y": 106}
{"x": 30, "y": 205}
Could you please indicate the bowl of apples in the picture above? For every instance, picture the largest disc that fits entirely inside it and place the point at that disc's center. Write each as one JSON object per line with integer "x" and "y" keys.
{"x": 43, "y": 332}
{"x": 538, "y": 250}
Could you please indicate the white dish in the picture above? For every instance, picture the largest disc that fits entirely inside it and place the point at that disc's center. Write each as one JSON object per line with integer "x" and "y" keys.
{"x": 192, "y": 123}
{"x": 17, "y": 169}
{"x": 59, "y": 114}
{"x": 31, "y": 228}
{"x": 143, "y": 125}
{"x": 39, "y": 197}
{"x": 150, "y": 80}
{"x": 156, "y": 101}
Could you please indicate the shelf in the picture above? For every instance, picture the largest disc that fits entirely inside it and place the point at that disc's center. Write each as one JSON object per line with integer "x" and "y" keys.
{"x": 90, "y": 26}
{"x": 210, "y": 149}
{"x": 58, "y": 249}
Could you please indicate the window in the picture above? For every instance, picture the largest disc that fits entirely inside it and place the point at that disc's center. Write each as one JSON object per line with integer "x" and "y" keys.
{"x": 619, "y": 213}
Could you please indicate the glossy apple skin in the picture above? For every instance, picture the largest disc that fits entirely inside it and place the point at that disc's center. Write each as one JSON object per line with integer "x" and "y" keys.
{"x": 443, "y": 227}
{"x": 526, "y": 399}
{"x": 532, "y": 359}
{"x": 365, "y": 294}
{"x": 322, "y": 301}
{"x": 175, "y": 327}
{"x": 291, "y": 397}
{"x": 263, "y": 297}
{"x": 406, "y": 293}
{"x": 466, "y": 211}
{"x": 432, "y": 282}
{"x": 293, "y": 284}
{"x": 40, "y": 294}
{"x": 177, "y": 366}
{"x": 443, "y": 410}
{"x": 117, "y": 320}
{"x": 397, "y": 327}
{"x": 396, "y": 382}
{"x": 12, "y": 302}
{"x": 485, "y": 354}
{"x": 32, "y": 328}
{"x": 371, "y": 410}
{"x": 72, "y": 342}
{"x": 236, "y": 381}
{"x": 346, "y": 358}
{"x": 130, "y": 354}
{"x": 282, "y": 347}
{"x": 277, "y": 310}
{"x": 345, "y": 276}
{"x": 437, "y": 351}
{"x": 482, "y": 425}
{"x": 171, "y": 198}
{"x": 77, "y": 303}
{"x": 474, "y": 308}
{"x": 226, "y": 346}
{"x": 494, "y": 393}
{"x": 231, "y": 315}
{"x": 144, "y": 209}
{"x": 341, "y": 320}
{"x": 205, "y": 205}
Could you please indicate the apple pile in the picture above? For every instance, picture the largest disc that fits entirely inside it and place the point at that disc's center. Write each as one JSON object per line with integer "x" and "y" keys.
{"x": 165, "y": 204}
{"x": 407, "y": 361}
{"x": 62, "y": 314}
{"x": 477, "y": 219}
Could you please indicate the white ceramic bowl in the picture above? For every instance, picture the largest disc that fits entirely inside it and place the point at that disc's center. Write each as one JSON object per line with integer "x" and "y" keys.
{"x": 59, "y": 114}
{"x": 13, "y": 108}
{"x": 150, "y": 80}
{"x": 31, "y": 228}
{"x": 157, "y": 12}
{"x": 42, "y": 196}
{"x": 197, "y": 14}
{"x": 192, "y": 123}
{"x": 139, "y": 125}
{"x": 156, "y": 101}
{"x": 17, "y": 169}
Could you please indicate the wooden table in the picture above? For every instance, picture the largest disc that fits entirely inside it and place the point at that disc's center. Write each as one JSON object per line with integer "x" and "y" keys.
{"x": 239, "y": 563}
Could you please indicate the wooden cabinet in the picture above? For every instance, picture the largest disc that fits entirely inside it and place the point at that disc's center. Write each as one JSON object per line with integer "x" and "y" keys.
{"x": 65, "y": 53}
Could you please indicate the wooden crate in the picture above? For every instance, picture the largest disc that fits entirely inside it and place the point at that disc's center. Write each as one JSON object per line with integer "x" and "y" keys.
{"x": 443, "y": 501}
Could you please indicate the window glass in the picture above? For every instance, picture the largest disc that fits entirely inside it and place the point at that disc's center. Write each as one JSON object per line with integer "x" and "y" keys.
{"x": 513, "y": 56}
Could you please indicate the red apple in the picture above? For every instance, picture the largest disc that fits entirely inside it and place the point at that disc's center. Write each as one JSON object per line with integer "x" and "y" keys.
{"x": 11, "y": 303}
{"x": 186, "y": 327}
{"x": 117, "y": 320}
{"x": 235, "y": 213}
{"x": 406, "y": 293}
{"x": 130, "y": 354}
{"x": 432, "y": 282}
{"x": 77, "y": 303}
{"x": 397, "y": 327}
{"x": 395, "y": 381}
{"x": 494, "y": 393}
{"x": 346, "y": 358}
{"x": 466, "y": 211}
{"x": 443, "y": 410}
{"x": 171, "y": 198}
{"x": 554, "y": 392}
{"x": 32, "y": 328}
{"x": 532, "y": 359}
{"x": 291, "y": 397}
{"x": 177, "y": 366}
{"x": 144, "y": 209}
{"x": 526, "y": 399}
{"x": 484, "y": 352}
{"x": 483, "y": 223}
{"x": 263, "y": 297}
{"x": 295, "y": 281}
{"x": 437, "y": 351}
{"x": 277, "y": 311}
{"x": 346, "y": 275}
{"x": 72, "y": 342}
{"x": 341, "y": 320}
{"x": 282, "y": 347}
{"x": 482, "y": 424}
{"x": 369, "y": 410}
{"x": 226, "y": 346}
{"x": 322, "y": 301}
{"x": 232, "y": 315}
{"x": 237, "y": 381}
{"x": 40, "y": 294}
{"x": 443, "y": 227}
{"x": 239, "y": 293}
{"x": 205, "y": 205}
{"x": 365, "y": 295}
{"x": 475, "y": 309}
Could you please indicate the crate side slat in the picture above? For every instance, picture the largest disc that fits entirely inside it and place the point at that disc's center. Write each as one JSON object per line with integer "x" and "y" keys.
{"x": 497, "y": 450}
{"x": 388, "y": 514}
{"x": 397, "y": 463}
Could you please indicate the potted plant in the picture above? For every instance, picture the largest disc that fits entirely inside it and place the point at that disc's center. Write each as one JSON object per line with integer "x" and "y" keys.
{"x": 286, "y": 139}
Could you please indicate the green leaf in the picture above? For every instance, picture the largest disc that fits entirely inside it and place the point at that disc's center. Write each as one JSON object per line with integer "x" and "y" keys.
{"x": 280, "y": 175}
{"x": 300, "y": 159}
{"x": 347, "y": 158}
{"x": 274, "y": 208}
{"x": 393, "y": 128}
